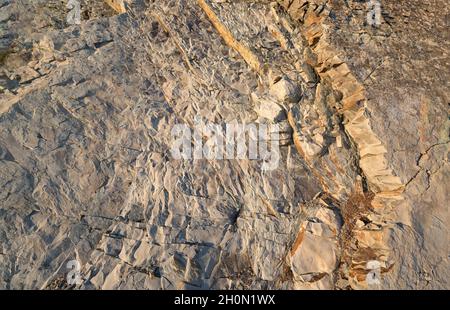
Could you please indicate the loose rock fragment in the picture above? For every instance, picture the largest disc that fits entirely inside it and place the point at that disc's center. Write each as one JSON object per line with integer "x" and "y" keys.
{"x": 286, "y": 91}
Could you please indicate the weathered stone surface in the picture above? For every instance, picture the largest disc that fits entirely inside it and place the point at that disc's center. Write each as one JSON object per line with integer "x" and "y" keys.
{"x": 318, "y": 235}
{"x": 286, "y": 91}
{"x": 268, "y": 108}
{"x": 86, "y": 173}
{"x": 377, "y": 71}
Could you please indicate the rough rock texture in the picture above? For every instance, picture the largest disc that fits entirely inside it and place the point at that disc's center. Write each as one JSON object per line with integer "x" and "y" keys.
{"x": 86, "y": 172}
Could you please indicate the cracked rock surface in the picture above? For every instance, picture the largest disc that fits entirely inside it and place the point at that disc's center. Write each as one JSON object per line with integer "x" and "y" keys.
{"x": 87, "y": 174}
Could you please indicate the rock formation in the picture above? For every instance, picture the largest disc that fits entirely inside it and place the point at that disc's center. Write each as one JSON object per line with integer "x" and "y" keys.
{"x": 86, "y": 118}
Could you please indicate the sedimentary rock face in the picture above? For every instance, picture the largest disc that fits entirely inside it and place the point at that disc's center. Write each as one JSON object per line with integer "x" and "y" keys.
{"x": 354, "y": 108}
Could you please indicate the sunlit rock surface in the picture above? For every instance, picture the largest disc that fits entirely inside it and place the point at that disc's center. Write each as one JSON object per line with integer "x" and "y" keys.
{"x": 87, "y": 174}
